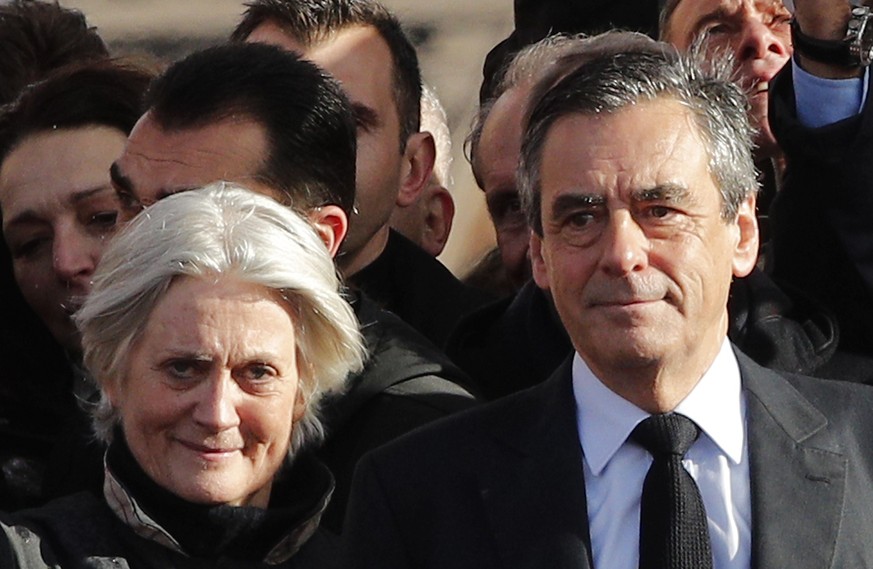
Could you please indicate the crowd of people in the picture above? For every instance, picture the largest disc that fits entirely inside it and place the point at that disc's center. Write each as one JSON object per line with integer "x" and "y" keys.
{"x": 228, "y": 341}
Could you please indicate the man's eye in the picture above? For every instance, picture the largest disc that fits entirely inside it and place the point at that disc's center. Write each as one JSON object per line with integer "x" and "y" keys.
{"x": 579, "y": 220}
{"x": 659, "y": 211}
{"x": 717, "y": 29}
{"x": 506, "y": 212}
{"x": 780, "y": 20}
{"x": 128, "y": 200}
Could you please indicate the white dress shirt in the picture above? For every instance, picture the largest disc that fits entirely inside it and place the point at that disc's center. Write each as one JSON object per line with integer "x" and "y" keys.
{"x": 615, "y": 467}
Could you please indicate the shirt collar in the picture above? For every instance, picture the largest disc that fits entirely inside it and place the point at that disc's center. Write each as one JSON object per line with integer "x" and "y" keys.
{"x": 605, "y": 419}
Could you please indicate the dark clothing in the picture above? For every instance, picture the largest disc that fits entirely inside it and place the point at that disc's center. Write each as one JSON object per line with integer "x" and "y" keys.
{"x": 503, "y": 485}
{"x": 511, "y": 344}
{"x": 139, "y": 524}
{"x": 820, "y": 222}
{"x": 40, "y": 419}
{"x": 517, "y": 343}
{"x": 407, "y": 382}
{"x": 418, "y": 288}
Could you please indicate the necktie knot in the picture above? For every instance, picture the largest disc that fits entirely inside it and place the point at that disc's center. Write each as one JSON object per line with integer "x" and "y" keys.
{"x": 666, "y": 434}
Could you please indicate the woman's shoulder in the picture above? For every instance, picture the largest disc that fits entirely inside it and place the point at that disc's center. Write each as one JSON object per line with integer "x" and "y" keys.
{"x": 67, "y": 530}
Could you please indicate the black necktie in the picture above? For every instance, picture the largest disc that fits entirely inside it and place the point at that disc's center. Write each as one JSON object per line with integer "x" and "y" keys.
{"x": 673, "y": 529}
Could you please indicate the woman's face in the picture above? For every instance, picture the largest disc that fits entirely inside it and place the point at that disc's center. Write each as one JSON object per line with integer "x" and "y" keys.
{"x": 211, "y": 391}
{"x": 58, "y": 211}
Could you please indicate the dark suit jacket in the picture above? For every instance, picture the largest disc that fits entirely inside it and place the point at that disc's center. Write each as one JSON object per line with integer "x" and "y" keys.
{"x": 502, "y": 486}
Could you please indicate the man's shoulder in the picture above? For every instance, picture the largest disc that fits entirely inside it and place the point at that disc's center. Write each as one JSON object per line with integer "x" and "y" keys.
{"x": 508, "y": 424}
{"x": 842, "y": 407}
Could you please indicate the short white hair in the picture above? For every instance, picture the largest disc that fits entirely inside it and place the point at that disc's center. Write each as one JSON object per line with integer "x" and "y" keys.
{"x": 221, "y": 230}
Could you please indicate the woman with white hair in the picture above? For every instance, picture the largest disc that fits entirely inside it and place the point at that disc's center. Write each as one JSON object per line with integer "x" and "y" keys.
{"x": 214, "y": 328}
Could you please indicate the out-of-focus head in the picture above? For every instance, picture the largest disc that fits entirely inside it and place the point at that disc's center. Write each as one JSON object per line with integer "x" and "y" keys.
{"x": 57, "y": 142}
{"x": 214, "y": 329}
{"x": 427, "y": 221}
{"x": 251, "y": 114}
{"x": 756, "y": 33}
{"x": 361, "y": 44}
{"x": 494, "y": 143}
{"x": 638, "y": 181}
{"x": 37, "y": 37}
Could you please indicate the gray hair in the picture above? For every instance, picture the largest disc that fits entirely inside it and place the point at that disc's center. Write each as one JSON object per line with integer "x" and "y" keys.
{"x": 524, "y": 68}
{"x": 221, "y": 230}
{"x": 632, "y": 69}
{"x": 434, "y": 121}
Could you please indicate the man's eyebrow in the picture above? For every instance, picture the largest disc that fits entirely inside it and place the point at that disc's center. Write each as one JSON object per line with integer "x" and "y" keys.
{"x": 570, "y": 202}
{"x": 365, "y": 117}
{"x": 669, "y": 192}
{"x": 119, "y": 179}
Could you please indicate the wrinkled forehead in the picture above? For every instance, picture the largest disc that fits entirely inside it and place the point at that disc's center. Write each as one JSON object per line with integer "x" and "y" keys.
{"x": 158, "y": 162}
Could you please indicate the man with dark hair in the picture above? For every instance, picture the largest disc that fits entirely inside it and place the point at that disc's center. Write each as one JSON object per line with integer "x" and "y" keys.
{"x": 657, "y": 444}
{"x": 263, "y": 117}
{"x": 361, "y": 44}
{"x": 287, "y": 121}
{"x": 36, "y": 37}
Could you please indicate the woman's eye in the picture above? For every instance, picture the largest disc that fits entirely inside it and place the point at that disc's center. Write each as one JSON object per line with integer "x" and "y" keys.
{"x": 105, "y": 219}
{"x": 29, "y": 248}
{"x": 259, "y": 372}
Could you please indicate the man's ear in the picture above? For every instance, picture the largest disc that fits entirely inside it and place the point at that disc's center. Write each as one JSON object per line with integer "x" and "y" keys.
{"x": 746, "y": 249}
{"x": 417, "y": 166}
{"x": 332, "y": 224}
{"x": 439, "y": 212}
{"x": 537, "y": 262}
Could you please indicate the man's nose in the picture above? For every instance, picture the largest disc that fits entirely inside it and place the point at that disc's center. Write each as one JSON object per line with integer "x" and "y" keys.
{"x": 625, "y": 245}
{"x": 758, "y": 41}
{"x": 216, "y": 407}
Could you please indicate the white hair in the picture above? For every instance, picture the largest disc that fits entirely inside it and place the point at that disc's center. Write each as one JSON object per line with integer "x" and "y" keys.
{"x": 221, "y": 230}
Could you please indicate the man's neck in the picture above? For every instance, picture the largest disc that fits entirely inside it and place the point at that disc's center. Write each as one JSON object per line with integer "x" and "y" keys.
{"x": 657, "y": 386}
{"x": 352, "y": 262}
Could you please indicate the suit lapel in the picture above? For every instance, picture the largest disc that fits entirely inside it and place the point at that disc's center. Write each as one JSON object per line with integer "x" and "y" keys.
{"x": 797, "y": 475}
{"x": 535, "y": 498}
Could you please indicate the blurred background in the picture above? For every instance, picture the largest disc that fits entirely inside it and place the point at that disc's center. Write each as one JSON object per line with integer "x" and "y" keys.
{"x": 452, "y": 37}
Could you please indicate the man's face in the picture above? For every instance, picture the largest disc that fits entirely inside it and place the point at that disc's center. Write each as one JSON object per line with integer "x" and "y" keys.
{"x": 757, "y": 32}
{"x": 634, "y": 249}
{"x": 360, "y": 60}
{"x": 157, "y": 162}
{"x": 496, "y": 163}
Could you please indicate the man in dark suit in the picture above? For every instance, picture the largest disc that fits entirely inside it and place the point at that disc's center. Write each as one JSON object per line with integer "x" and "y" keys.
{"x": 638, "y": 182}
